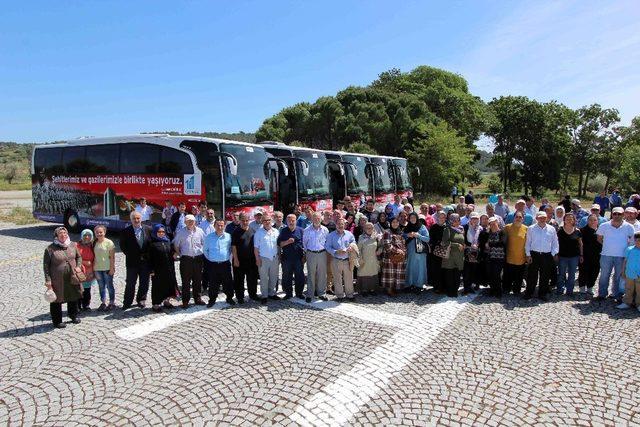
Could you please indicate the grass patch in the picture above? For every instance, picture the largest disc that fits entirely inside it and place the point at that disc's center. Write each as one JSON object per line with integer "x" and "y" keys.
{"x": 18, "y": 216}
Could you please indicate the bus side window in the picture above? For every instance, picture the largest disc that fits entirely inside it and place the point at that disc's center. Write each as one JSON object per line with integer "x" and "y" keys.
{"x": 174, "y": 161}
{"x": 48, "y": 161}
{"x": 139, "y": 158}
{"x": 102, "y": 158}
{"x": 73, "y": 160}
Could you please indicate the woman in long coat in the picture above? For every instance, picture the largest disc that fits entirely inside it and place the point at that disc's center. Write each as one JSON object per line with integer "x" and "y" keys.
{"x": 369, "y": 248}
{"x": 452, "y": 266}
{"x": 163, "y": 272}
{"x": 394, "y": 258}
{"x": 416, "y": 262}
{"x": 60, "y": 259}
{"x": 434, "y": 264}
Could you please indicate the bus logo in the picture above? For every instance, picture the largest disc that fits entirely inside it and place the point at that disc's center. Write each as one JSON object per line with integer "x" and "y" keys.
{"x": 192, "y": 185}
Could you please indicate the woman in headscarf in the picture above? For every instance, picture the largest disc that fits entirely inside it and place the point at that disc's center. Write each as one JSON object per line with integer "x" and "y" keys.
{"x": 590, "y": 265}
{"x": 388, "y": 210}
{"x": 452, "y": 266}
{"x": 60, "y": 259}
{"x": 350, "y": 226}
{"x": 472, "y": 253}
{"x": 493, "y": 241}
{"x": 361, "y": 220}
{"x": 416, "y": 234}
{"x": 85, "y": 247}
{"x": 382, "y": 225}
{"x": 403, "y": 219}
{"x": 369, "y": 248}
{"x": 434, "y": 263}
{"x": 163, "y": 273}
{"x": 394, "y": 258}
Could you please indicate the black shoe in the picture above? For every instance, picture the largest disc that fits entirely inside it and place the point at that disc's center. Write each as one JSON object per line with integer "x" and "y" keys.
{"x": 308, "y": 300}
{"x": 59, "y": 325}
{"x": 75, "y": 321}
{"x": 157, "y": 309}
{"x": 526, "y": 297}
{"x": 275, "y": 297}
{"x": 351, "y": 299}
{"x": 300, "y": 296}
{"x": 230, "y": 301}
{"x": 210, "y": 304}
{"x": 330, "y": 292}
{"x": 373, "y": 293}
{"x": 103, "y": 307}
{"x": 598, "y": 298}
{"x": 240, "y": 300}
{"x": 323, "y": 298}
{"x": 126, "y": 307}
{"x": 543, "y": 298}
{"x": 263, "y": 301}
{"x": 286, "y": 297}
{"x": 168, "y": 305}
{"x": 254, "y": 297}
{"x": 142, "y": 304}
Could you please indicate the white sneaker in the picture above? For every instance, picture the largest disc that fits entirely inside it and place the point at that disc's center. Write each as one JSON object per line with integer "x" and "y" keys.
{"x": 623, "y": 306}
{"x": 583, "y": 289}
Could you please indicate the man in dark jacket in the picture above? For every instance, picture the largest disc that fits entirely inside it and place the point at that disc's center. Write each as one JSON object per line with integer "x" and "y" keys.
{"x": 134, "y": 243}
{"x": 177, "y": 219}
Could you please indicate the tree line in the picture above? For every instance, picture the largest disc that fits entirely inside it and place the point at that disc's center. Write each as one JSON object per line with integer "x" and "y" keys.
{"x": 429, "y": 116}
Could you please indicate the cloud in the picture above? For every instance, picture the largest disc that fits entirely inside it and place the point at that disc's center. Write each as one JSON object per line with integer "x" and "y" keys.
{"x": 575, "y": 52}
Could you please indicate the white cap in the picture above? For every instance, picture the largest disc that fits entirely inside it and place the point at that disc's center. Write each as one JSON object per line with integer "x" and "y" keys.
{"x": 595, "y": 206}
{"x": 575, "y": 202}
{"x": 631, "y": 209}
{"x": 541, "y": 214}
{"x": 474, "y": 215}
{"x": 617, "y": 210}
{"x": 189, "y": 218}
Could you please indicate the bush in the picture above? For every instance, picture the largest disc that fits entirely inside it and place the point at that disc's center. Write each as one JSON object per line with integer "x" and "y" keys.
{"x": 493, "y": 183}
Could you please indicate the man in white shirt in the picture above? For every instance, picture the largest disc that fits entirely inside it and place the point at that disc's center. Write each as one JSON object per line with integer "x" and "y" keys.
{"x": 189, "y": 246}
{"x": 144, "y": 209}
{"x": 631, "y": 217}
{"x": 541, "y": 249}
{"x": 313, "y": 241}
{"x": 530, "y": 206}
{"x": 265, "y": 243}
{"x": 615, "y": 235}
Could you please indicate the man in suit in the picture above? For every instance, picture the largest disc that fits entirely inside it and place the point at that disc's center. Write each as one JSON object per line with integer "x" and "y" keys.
{"x": 134, "y": 243}
{"x": 176, "y": 223}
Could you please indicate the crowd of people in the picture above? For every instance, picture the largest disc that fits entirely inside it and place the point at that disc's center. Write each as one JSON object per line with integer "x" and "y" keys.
{"x": 355, "y": 250}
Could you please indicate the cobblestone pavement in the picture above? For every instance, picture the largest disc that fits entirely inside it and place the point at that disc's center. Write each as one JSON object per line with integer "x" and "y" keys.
{"x": 409, "y": 360}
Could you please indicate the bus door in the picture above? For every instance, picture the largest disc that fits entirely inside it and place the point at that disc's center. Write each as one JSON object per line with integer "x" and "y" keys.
{"x": 337, "y": 180}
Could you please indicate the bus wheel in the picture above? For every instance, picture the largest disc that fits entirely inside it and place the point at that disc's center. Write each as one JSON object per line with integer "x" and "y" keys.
{"x": 72, "y": 221}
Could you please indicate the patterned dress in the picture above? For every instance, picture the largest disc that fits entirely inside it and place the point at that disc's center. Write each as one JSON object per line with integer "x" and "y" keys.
{"x": 393, "y": 274}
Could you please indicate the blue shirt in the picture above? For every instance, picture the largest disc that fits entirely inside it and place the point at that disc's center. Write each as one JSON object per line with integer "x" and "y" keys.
{"x": 583, "y": 221}
{"x": 303, "y": 222}
{"x": 602, "y": 201}
{"x": 632, "y": 255}
{"x": 528, "y": 219}
{"x": 336, "y": 242}
{"x": 396, "y": 209}
{"x": 294, "y": 249}
{"x": 217, "y": 248}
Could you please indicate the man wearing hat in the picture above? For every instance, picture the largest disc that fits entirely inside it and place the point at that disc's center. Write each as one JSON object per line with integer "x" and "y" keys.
{"x": 520, "y": 207}
{"x": 189, "y": 246}
{"x": 595, "y": 210}
{"x": 631, "y": 217}
{"x": 615, "y": 236}
{"x": 578, "y": 211}
{"x": 541, "y": 249}
{"x": 257, "y": 220}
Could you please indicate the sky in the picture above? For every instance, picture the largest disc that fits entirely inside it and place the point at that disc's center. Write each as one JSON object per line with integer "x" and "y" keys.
{"x": 101, "y": 68}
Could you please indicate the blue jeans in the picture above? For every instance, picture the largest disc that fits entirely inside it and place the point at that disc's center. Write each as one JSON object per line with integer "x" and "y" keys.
{"x": 105, "y": 282}
{"x": 567, "y": 266}
{"x": 607, "y": 265}
{"x": 292, "y": 267}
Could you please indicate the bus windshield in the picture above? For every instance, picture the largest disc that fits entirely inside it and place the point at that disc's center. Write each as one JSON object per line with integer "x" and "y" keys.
{"x": 250, "y": 186}
{"x": 402, "y": 175}
{"x": 356, "y": 183}
{"x": 316, "y": 183}
{"x": 383, "y": 180}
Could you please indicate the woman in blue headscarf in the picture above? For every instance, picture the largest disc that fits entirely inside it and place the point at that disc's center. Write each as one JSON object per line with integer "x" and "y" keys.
{"x": 163, "y": 272}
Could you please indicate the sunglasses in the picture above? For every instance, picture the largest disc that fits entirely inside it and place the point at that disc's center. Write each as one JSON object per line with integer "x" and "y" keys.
{"x": 617, "y": 214}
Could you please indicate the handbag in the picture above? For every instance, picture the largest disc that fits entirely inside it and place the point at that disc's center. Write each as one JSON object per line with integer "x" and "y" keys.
{"x": 50, "y": 296}
{"x": 421, "y": 247}
{"x": 77, "y": 277}
{"x": 397, "y": 257}
{"x": 442, "y": 251}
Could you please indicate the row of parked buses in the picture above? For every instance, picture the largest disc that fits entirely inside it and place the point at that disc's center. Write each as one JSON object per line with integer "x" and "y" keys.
{"x": 93, "y": 181}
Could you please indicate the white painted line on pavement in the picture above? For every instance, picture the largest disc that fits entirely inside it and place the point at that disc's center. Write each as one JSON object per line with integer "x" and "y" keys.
{"x": 158, "y": 323}
{"x": 359, "y": 312}
{"x": 340, "y": 400}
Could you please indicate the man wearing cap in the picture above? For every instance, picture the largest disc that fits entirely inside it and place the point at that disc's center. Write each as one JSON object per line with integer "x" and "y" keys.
{"x": 520, "y": 207}
{"x": 541, "y": 249}
{"x": 578, "y": 211}
{"x": 257, "y": 220}
{"x": 265, "y": 243}
{"x": 631, "y": 217}
{"x": 189, "y": 246}
{"x": 595, "y": 210}
{"x": 603, "y": 201}
{"x": 615, "y": 236}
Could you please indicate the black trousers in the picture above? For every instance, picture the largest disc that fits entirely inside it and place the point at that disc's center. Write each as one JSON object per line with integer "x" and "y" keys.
{"x": 540, "y": 270}
{"x": 471, "y": 275}
{"x": 140, "y": 272}
{"x": 589, "y": 271}
{"x": 494, "y": 269}
{"x": 191, "y": 275}
{"x": 512, "y": 278}
{"x": 434, "y": 271}
{"x": 220, "y": 275}
{"x": 451, "y": 281}
{"x": 248, "y": 270}
{"x": 205, "y": 275}
{"x": 86, "y": 298}
{"x": 56, "y": 311}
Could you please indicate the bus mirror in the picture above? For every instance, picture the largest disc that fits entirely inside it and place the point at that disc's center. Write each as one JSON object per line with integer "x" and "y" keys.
{"x": 233, "y": 166}
{"x": 305, "y": 167}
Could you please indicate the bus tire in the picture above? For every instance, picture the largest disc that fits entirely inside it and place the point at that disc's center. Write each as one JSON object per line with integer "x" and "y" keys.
{"x": 72, "y": 221}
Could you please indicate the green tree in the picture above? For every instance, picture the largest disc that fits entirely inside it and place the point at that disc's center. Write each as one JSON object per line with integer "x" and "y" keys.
{"x": 624, "y": 159}
{"x": 360, "y": 148}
